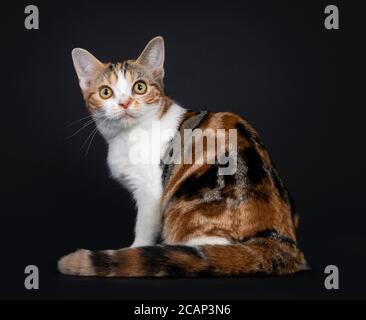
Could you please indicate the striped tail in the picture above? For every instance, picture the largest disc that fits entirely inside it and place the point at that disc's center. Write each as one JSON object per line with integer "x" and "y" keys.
{"x": 255, "y": 256}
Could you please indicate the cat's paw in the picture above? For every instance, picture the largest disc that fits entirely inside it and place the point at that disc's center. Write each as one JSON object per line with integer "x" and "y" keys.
{"x": 142, "y": 243}
{"x": 77, "y": 263}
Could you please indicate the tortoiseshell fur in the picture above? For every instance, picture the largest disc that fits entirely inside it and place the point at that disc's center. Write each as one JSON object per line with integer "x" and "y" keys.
{"x": 251, "y": 209}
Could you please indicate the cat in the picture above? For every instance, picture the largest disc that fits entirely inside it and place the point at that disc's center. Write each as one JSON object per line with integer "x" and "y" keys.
{"x": 210, "y": 224}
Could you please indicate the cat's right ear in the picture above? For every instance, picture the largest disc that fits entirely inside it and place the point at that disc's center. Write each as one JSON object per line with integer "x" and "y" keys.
{"x": 86, "y": 65}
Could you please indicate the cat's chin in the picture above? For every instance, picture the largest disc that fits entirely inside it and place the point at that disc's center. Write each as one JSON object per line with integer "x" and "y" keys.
{"x": 127, "y": 121}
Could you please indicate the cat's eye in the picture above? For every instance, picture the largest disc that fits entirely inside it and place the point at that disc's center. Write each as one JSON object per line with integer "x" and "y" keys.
{"x": 140, "y": 87}
{"x": 105, "y": 92}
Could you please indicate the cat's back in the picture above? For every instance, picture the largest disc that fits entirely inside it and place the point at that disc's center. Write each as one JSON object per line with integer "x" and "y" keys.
{"x": 250, "y": 199}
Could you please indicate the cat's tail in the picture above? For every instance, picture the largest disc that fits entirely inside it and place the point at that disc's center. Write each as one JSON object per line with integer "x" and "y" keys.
{"x": 265, "y": 256}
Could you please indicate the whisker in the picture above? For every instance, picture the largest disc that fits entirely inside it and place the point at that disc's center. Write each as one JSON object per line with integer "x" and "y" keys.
{"x": 77, "y": 121}
{"x": 83, "y": 127}
{"x": 87, "y": 138}
{"x": 91, "y": 136}
{"x": 91, "y": 140}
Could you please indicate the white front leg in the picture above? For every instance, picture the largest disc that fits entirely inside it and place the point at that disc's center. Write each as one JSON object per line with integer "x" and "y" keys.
{"x": 148, "y": 221}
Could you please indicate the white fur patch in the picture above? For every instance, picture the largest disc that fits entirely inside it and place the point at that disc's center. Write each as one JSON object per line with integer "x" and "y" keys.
{"x": 144, "y": 180}
{"x": 121, "y": 91}
{"x": 207, "y": 240}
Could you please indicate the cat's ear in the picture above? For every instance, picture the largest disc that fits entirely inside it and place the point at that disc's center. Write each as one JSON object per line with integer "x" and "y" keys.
{"x": 86, "y": 66}
{"x": 153, "y": 57}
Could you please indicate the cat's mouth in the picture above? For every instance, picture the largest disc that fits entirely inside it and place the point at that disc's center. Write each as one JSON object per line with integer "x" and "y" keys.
{"x": 121, "y": 118}
{"x": 126, "y": 116}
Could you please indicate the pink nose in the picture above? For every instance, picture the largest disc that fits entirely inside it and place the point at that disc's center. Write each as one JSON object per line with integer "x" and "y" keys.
{"x": 124, "y": 103}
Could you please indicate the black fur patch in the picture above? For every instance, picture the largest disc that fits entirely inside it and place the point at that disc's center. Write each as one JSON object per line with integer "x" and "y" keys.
{"x": 230, "y": 179}
{"x": 292, "y": 204}
{"x": 249, "y": 135}
{"x": 205, "y": 117}
{"x": 192, "y": 122}
{"x": 157, "y": 259}
{"x": 243, "y": 131}
{"x": 179, "y": 271}
{"x": 281, "y": 189}
{"x": 271, "y": 234}
{"x": 192, "y": 187}
{"x": 278, "y": 184}
{"x": 166, "y": 172}
{"x": 173, "y": 270}
{"x": 101, "y": 261}
{"x": 254, "y": 163}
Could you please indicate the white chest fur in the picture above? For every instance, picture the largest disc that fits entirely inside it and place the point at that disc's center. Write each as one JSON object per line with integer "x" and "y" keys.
{"x": 134, "y": 160}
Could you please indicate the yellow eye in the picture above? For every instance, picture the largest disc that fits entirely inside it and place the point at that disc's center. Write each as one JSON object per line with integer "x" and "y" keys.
{"x": 105, "y": 92}
{"x": 140, "y": 87}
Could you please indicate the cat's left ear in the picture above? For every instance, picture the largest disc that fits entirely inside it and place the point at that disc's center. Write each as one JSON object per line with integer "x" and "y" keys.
{"x": 153, "y": 57}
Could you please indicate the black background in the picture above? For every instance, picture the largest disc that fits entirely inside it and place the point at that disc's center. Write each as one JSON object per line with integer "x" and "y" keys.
{"x": 274, "y": 63}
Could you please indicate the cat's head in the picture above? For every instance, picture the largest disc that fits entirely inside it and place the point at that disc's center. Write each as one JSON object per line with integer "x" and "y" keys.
{"x": 122, "y": 94}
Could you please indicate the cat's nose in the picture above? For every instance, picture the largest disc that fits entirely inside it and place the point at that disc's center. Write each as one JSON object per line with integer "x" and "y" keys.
{"x": 124, "y": 103}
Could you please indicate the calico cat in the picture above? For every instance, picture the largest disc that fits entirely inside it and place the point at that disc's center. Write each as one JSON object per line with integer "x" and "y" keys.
{"x": 209, "y": 223}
